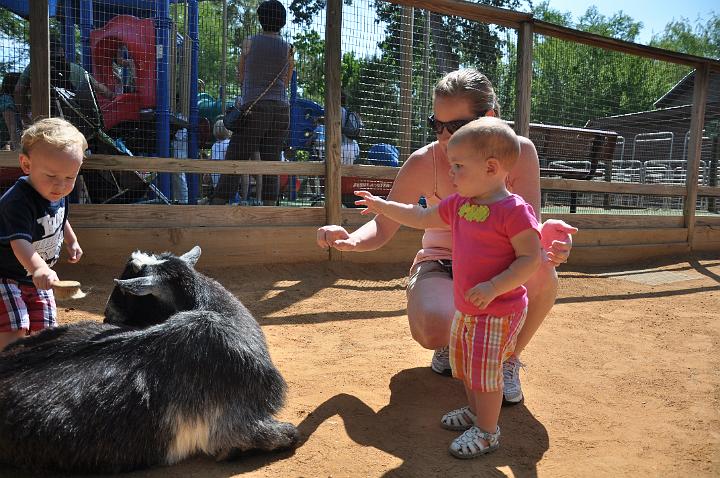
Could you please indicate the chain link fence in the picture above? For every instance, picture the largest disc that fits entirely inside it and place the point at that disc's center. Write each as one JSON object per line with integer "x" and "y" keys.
{"x": 143, "y": 78}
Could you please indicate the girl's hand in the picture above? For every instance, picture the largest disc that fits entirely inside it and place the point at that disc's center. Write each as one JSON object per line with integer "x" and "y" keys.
{"x": 44, "y": 277}
{"x": 481, "y": 295}
{"x": 74, "y": 252}
{"x": 556, "y": 239}
{"x": 372, "y": 203}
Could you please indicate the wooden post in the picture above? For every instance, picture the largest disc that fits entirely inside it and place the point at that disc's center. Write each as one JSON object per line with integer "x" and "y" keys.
{"x": 40, "y": 59}
{"x": 702, "y": 78}
{"x": 523, "y": 85}
{"x": 712, "y": 179}
{"x": 426, "y": 76}
{"x": 333, "y": 66}
{"x": 406, "y": 83}
{"x": 223, "y": 58}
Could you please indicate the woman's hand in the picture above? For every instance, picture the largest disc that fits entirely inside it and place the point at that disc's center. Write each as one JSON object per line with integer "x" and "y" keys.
{"x": 337, "y": 237}
{"x": 556, "y": 239}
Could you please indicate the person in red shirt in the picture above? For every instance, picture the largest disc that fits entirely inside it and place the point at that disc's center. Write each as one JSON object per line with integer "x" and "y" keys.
{"x": 495, "y": 250}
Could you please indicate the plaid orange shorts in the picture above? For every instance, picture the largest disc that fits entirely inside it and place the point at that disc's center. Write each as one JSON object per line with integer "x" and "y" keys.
{"x": 25, "y": 307}
{"x": 479, "y": 344}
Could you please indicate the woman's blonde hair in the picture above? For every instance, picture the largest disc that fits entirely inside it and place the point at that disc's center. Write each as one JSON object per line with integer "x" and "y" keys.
{"x": 472, "y": 85}
{"x": 220, "y": 132}
{"x": 55, "y": 132}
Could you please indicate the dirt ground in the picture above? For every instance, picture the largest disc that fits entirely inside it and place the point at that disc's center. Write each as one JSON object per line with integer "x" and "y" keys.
{"x": 621, "y": 380}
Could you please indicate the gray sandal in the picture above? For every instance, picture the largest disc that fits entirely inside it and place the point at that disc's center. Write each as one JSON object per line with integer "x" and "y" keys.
{"x": 458, "y": 420}
{"x": 470, "y": 445}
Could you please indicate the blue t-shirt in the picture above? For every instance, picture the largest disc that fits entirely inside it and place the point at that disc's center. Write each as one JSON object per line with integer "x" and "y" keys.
{"x": 25, "y": 214}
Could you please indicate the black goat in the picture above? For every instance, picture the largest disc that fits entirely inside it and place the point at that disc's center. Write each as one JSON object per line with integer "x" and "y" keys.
{"x": 180, "y": 367}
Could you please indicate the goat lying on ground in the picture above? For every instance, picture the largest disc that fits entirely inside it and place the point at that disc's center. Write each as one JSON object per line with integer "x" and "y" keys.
{"x": 179, "y": 367}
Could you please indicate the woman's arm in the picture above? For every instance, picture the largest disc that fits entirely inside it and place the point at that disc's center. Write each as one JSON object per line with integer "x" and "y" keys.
{"x": 525, "y": 182}
{"x": 524, "y": 178}
{"x": 407, "y": 188}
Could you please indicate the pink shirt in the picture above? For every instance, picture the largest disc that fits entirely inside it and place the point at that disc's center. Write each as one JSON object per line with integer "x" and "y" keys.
{"x": 482, "y": 249}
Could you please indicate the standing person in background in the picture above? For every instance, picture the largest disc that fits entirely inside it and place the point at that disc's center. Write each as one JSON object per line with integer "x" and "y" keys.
{"x": 63, "y": 74}
{"x": 349, "y": 147}
{"x": 179, "y": 180}
{"x": 218, "y": 151}
{"x": 264, "y": 70}
{"x": 124, "y": 71}
{"x": 459, "y": 97}
{"x": 10, "y": 126}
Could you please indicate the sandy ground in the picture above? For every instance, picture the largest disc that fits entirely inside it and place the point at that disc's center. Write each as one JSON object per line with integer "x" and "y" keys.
{"x": 621, "y": 380}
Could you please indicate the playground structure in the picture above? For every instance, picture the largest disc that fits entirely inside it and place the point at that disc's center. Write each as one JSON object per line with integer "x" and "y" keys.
{"x": 607, "y": 232}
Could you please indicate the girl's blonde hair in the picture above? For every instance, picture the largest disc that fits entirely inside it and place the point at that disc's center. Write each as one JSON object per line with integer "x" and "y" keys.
{"x": 472, "y": 85}
{"x": 220, "y": 132}
{"x": 55, "y": 132}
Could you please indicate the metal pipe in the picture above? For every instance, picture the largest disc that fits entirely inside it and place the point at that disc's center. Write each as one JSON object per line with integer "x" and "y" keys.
{"x": 162, "y": 92}
{"x": 193, "y": 20}
{"x": 223, "y": 58}
{"x": 86, "y": 26}
{"x": 69, "y": 31}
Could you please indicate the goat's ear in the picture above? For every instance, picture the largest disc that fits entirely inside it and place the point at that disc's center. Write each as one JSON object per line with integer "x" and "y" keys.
{"x": 137, "y": 286}
{"x": 192, "y": 256}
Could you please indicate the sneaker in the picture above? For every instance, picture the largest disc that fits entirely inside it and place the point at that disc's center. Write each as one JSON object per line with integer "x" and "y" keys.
{"x": 441, "y": 361}
{"x": 512, "y": 392}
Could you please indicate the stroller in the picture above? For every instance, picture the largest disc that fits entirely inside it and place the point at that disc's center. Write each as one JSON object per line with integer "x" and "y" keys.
{"x": 103, "y": 187}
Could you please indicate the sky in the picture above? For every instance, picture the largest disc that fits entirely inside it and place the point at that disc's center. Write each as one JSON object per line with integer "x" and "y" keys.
{"x": 654, "y": 14}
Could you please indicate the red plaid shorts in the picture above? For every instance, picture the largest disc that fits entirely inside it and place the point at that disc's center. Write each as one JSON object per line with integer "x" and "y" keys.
{"x": 479, "y": 344}
{"x": 25, "y": 307}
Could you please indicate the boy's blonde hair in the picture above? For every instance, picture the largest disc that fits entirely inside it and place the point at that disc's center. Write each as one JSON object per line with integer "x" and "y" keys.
{"x": 220, "y": 132}
{"x": 492, "y": 138}
{"x": 55, "y": 132}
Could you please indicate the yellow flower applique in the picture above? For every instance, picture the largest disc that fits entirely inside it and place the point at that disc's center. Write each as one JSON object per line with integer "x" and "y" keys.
{"x": 474, "y": 212}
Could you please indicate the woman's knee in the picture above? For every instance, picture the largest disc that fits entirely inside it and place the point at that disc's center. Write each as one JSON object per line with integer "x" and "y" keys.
{"x": 544, "y": 282}
{"x": 430, "y": 327}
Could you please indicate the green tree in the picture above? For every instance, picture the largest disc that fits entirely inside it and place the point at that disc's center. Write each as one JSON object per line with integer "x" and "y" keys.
{"x": 702, "y": 39}
{"x": 573, "y": 83}
{"x": 15, "y": 31}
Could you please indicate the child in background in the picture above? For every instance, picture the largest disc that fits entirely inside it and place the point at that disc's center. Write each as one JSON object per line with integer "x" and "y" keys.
{"x": 496, "y": 248}
{"x": 34, "y": 225}
{"x": 124, "y": 71}
{"x": 219, "y": 148}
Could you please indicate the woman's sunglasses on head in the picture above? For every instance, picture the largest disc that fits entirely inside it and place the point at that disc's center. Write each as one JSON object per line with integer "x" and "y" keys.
{"x": 451, "y": 126}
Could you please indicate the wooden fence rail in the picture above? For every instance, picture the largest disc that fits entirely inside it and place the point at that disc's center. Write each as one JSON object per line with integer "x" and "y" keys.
{"x": 279, "y": 234}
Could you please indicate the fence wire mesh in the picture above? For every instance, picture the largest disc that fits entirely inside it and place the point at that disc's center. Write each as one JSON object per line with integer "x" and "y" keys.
{"x": 149, "y": 78}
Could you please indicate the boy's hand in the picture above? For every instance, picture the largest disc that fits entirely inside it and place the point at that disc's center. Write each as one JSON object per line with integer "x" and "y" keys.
{"x": 44, "y": 277}
{"x": 373, "y": 204}
{"x": 481, "y": 295}
{"x": 556, "y": 239}
{"x": 74, "y": 252}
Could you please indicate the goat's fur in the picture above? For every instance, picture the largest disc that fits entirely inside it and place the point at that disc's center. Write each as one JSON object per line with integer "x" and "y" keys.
{"x": 180, "y": 367}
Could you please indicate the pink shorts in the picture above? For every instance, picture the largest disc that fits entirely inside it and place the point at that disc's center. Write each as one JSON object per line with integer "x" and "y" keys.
{"x": 25, "y": 307}
{"x": 479, "y": 344}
